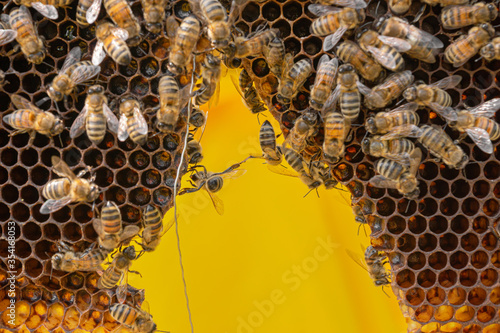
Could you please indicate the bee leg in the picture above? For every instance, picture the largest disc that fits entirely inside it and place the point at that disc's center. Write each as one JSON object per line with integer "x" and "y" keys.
{"x": 136, "y": 272}
{"x": 17, "y": 132}
{"x": 15, "y": 49}
{"x": 32, "y": 137}
{"x": 420, "y": 13}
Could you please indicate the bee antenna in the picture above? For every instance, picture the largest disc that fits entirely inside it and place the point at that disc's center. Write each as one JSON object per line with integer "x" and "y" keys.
{"x": 204, "y": 126}
{"x": 60, "y": 140}
{"x": 46, "y": 63}
{"x": 43, "y": 100}
{"x": 401, "y": 101}
{"x": 481, "y": 57}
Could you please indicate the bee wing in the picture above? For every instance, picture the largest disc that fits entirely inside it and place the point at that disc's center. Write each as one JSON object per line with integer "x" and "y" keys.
{"x": 172, "y": 26}
{"x": 122, "y": 128}
{"x": 410, "y": 131}
{"x": 357, "y": 4}
{"x": 61, "y": 168}
{"x": 282, "y": 170}
{"x": 235, "y": 6}
{"x": 7, "y": 36}
{"x": 403, "y": 158}
{"x": 382, "y": 182}
{"x": 358, "y": 259}
{"x": 129, "y": 232}
{"x": 73, "y": 57}
{"x": 84, "y": 73}
{"x": 447, "y": 113}
{"x": 481, "y": 138}
{"x": 48, "y": 11}
{"x": 121, "y": 291}
{"x": 233, "y": 174}
{"x": 98, "y": 227}
{"x": 415, "y": 158}
{"x": 120, "y": 33}
{"x": 169, "y": 225}
{"x": 363, "y": 89}
{"x": 142, "y": 125}
{"x": 78, "y": 126}
{"x": 331, "y": 101}
{"x": 332, "y": 40}
{"x": 93, "y": 11}
{"x": 399, "y": 44}
{"x": 218, "y": 203}
{"x": 236, "y": 85}
{"x": 99, "y": 53}
{"x": 214, "y": 100}
{"x": 406, "y": 107}
{"x": 51, "y": 205}
{"x": 22, "y": 103}
{"x": 384, "y": 58}
{"x": 447, "y": 82}
{"x": 321, "y": 10}
{"x": 111, "y": 118}
{"x": 486, "y": 109}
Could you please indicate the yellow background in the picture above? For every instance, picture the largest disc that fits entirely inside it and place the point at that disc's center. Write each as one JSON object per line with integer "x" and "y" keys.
{"x": 237, "y": 264}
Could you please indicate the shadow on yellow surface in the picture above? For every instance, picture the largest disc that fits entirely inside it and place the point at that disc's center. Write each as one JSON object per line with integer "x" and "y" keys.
{"x": 274, "y": 262}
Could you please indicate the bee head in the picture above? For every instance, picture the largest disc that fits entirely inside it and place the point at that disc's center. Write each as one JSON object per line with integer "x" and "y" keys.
{"x": 133, "y": 41}
{"x": 214, "y": 184}
{"x": 54, "y": 95}
{"x": 488, "y": 28}
{"x": 410, "y": 94}
{"x": 96, "y": 90}
{"x": 57, "y": 261}
{"x": 413, "y": 195}
{"x": 371, "y": 125}
{"x": 58, "y": 126}
{"x": 283, "y": 100}
{"x": 492, "y": 11}
{"x": 310, "y": 118}
{"x": 361, "y": 32}
{"x": 162, "y": 127}
{"x": 366, "y": 145}
{"x": 37, "y": 58}
{"x": 232, "y": 62}
{"x": 93, "y": 193}
{"x": 154, "y": 28}
{"x": 196, "y": 158}
{"x": 487, "y": 52}
{"x": 174, "y": 68}
{"x": 129, "y": 252}
{"x": 463, "y": 161}
{"x": 331, "y": 159}
{"x": 377, "y": 24}
{"x": 346, "y": 68}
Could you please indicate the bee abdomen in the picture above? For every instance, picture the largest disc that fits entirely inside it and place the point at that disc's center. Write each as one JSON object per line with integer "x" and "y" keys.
{"x": 442, "y": 98}
{"x": 110, "y": 278}
{"x": 56, "y": 189}
{"x": 325, "y": 25}
{"x": 20, "y": 119}
{"x": 81, "y": 12}
{"x": 96, "y": 127}
{"x": 118, "y": 50}
{"x": 350, "y": 103}
{"x": 111, "y": 219}
{"x": 124, "y": 314}
{"x": 401, "y": 145}
{"x": 490, "y": 126}
{"x": 389, "y": 169}
{"x": 134, "y": 133}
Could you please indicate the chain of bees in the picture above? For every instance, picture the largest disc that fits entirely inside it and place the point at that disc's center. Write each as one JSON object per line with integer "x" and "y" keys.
{"x": 355, "y": 75}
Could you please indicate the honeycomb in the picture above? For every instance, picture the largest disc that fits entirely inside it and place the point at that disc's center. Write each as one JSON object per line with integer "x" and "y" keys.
{"x": 443, "y": 254}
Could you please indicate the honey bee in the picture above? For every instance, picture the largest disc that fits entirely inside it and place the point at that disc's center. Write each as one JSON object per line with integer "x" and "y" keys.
{"x": 72, "y": 73}
{"x": 441, "y": 145}
{"x": 432, "y": 95}
{"x": 212, "y": 182}
{"x": 153, "y": 228}
{"x": 477, "y": 124}
{"x": 20, "y": 25}
{"x": 70, "y": 188}
{"x": 271, "y": 152}
{"x": 465, "y": 47}
{"x": 211, "y": 73}
{"x": 184, "y": 41}
{"x": 274, "y": 54}
{"x": 45, "y": 7}
{"x": 350, "y": 52}
{"x": 109, "y": 227}
{"x": 254, "y": 44}
{"x": 333, "y": 22}
{"x": 248, "y": 93}
{"x": 194, "y": 150}
{"x": 296, "y": 161}
{"x": 198, "y": 118}
{"x": 373, "y": 263}
{"x": 321, "y": 171}
{"x": 397, "y": 149}
{"x": 244, "y": 80}
{"x": 132, "y": 122}
{"x": 455, "y": 17}
{"x": 304, "y": 127}
{"x": 172, "y": 99}
{"x": 384, "y": 49}
{"x": 94, "y": 117}
{"x": 29, "y": 118}
{"x": 402, "y": 121}
{"x": 383, "y": 94}
{"x": 323, "y": 83}
{"x": 348, "y": 93}
{"x": 399, "y": 6}
{"x": 69, "y": 261}
{"x": 154, "y": 14}
{"x": 111, "y": 40}
{"x": 87, "y": 11}
{"x": 133, "y": 318}
{"x": 293, "y": 78}
{"x": 117, "y": 272}
{"x": 121, "y": 14}
{"x": 394, "y": 174}
{"x": 336, "y": 130}
{"x": 491, "y": 51}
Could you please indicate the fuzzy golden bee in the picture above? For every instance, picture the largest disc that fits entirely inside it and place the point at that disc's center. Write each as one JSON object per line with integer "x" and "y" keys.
{"x": 132, "y": 122}
{"x": 491, "y": 51}
{"x": 465, "y": 47}
{"x": 72, "y": 73}
{"x": 293, "y": 78}
{"x": 111, "y": 40}
{"x": 184, "y": 38}
{"x": 153, "y": 228}
{"x": 442, "y": 146}
{"x": 29, "y": 118}
{"x": 274, "y": 53}
{"x": 194, "y": 150}
{"x": 455, "y": 17}
{"x": 117, "y": 272}
{"x": 19, "y": 24}
{"x": 347, "y": 92}
{"x": 172, "y": 99}
{"x": 248, "y": 93}
{"x": 396, "y": 149}
{"x": 133, "y": 318}
{"x": 324, "y": 82}
{"x": 94, "y": 117}
{"x": 154, "y": 14}
{"x": 336, "y": 130}
{"x": 424, "y": 46}
{"x": 71, "y": 188}
{"x": 383, "y": 94}
{"x": 121, "y": 14}
{"x": 402, "y": 121}
{"x": 432, "y": 95}
{"x": 350, "y": 52}
{"x": 304, "y": 127}
{"x": 210, "y": 89}
{"x": 68, "y": 260}
{"x": 45, "y": 7}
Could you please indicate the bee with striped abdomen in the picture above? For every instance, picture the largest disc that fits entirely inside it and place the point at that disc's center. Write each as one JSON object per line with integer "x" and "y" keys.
{"x": 271, "y": 152}
{"x": 383, "y": 94}
{"x": 132, "y": 122}
{"x": 491, "y": 51}
{"x": 333, "y": 22}
{"x": 304, "y": 127}
{"x": 194, "y": 150}
{"x": 69, "y": 189}
{"x": 424, "y": 46}
{"x": 254, "y": 44}
{"x": 198, "y": 118}
{"x": 45, "y": 7}
{"x": 154, "y": 14}
{"x": 373, "y": 263}
{"x": 394, "y": 174}
{"x": 350, "y": 52}
{"x": 248, "y": 93}
{"x": 68, "y": 260}
{"x": 397, "y": 149}
{"x": 347, "y": 92}
{"x": 455, "y": 17}
{"x": 324, "y": 82}
{"x": 274, "y": 53}
{"x": 111, "y": 40}
{"x": 297, "y": 163}
{"x": 172, "y": 99}
{"x": 293, "y": 77}
{"x": 121, "y": 14}
{"x": 210, "y": 89}
{"x": 94, "y": 117}
{"x": 133, "y": 318}
{"x": 403, "y": 117}
{"x": 441, "y": 145}
{"x": 336, "y": 130}
{"x": 184, "y": 38}
{"x": 153, "y": 228}
{"x": 72, "y": 73}
{"x": 29, "y": 118}
{"x": 117, "y": 272}
{"x": 478, "y": 125}
{"x": 32, "y": 45}
{"x": 109, "y": 227}
{"x": 465, "y": 47}
{"x": 384, "y": 49}
{"x": 87, "y": 11}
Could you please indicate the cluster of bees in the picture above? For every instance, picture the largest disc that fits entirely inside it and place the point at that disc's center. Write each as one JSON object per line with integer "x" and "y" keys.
{"x": 206, "y": 42}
